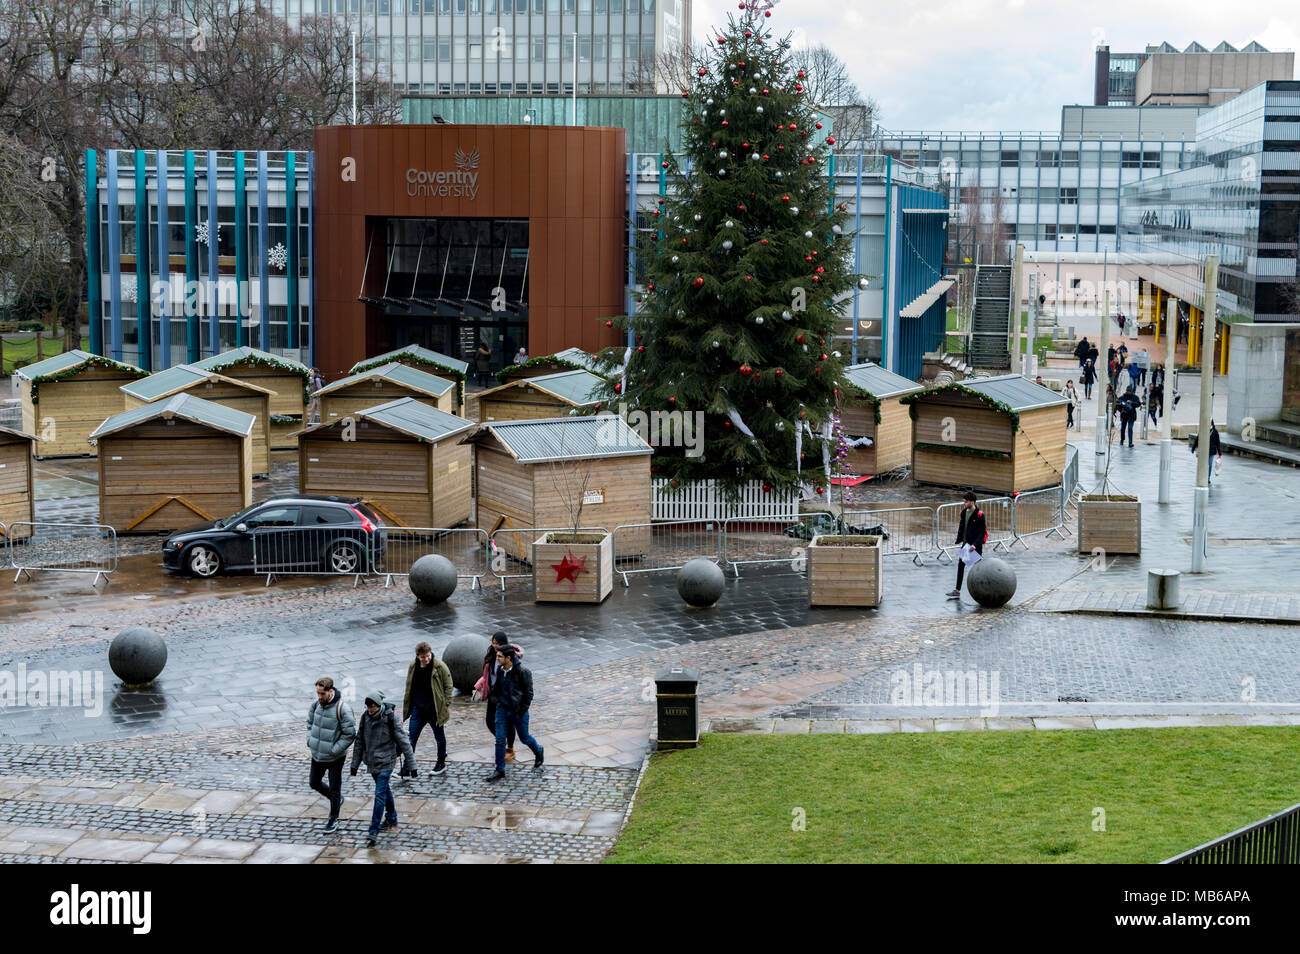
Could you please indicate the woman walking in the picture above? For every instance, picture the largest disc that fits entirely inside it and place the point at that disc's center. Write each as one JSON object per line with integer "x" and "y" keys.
{"x": 1072, "y": 396}
{"x": 1089, "y": 378}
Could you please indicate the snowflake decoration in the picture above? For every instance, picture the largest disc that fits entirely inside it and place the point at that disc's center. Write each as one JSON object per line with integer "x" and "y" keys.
{"x": 277, "y": 256}
{"x": 201, "y": 233}
{"x": 130, "y": 290}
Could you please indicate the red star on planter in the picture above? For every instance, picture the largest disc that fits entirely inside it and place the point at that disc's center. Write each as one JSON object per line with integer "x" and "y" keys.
{"x": 569, "y": 567}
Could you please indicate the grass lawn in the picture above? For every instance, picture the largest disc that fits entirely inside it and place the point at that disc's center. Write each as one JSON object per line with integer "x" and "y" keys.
{"x": 959, "y": 796}
{"x": 24, "y": 349}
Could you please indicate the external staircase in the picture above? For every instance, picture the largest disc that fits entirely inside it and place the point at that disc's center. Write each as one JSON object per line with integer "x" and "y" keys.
{"x": 991, "y": 318}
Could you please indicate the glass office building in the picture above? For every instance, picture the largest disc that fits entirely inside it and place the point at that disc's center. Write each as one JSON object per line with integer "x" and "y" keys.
{"x": 1051, "y": 191}
{"x": 1239, "y": 200}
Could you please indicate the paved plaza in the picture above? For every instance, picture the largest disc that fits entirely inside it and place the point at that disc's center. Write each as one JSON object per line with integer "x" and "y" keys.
{"x": 210, "y": 765}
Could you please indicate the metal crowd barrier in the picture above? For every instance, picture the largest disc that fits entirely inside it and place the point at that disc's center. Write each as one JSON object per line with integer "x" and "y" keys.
{"x": 6, "y": 560}
{"x": 909, "y": 530}
{"x": 654, "y": 547}
{"x": 465, "y": 547}
{"x": 999, "y": 520}
{"x": 516, "y": 546}
{"x": 62, "y": 548}
{"x": 1040, "y": 511}
{"x": 755, "y": 541}
{"x": 315, "y": 551}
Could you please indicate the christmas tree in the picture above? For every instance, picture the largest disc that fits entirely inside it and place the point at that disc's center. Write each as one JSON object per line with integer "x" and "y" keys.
{"x": 742, "y": 276}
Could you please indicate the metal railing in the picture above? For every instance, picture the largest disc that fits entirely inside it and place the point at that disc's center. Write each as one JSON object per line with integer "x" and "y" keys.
{"x": 906, "y": 530}
{"x": 999, "y": 520}
{"x": 655, "y": 547}
{"x": 4, "y": 546}
{"x": 62, "y": 548}
{"x": 755, "y": 541}
{"x": 517, "y": 548}
{"x": 465, "y": 547}
{"x": 1274, "y": 840}
{"x": 1039, "y": 511}
{"x": 339, "y": 550}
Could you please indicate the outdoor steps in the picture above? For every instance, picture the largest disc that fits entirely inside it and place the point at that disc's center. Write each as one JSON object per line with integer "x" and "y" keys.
{"x": 990, "y": 317}
{"x": 1264, "y": 450}
{"x": 1290, "y": 414}
{"x": 1278, "y": 432}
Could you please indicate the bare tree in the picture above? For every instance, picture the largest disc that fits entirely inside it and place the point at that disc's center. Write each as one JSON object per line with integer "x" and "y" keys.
{"x": 831, "y": 89}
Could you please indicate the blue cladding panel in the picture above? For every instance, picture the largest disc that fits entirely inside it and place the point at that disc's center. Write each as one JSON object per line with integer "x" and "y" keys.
{"x": 114, "y": 260}
{"x": 93, "y": 259}
{"x": 143, "y": 329}
{"x": 164, "y": 269}
{"x": 191, "y": 262}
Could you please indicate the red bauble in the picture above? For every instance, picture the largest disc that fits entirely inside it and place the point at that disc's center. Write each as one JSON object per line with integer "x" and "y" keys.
{"x": 747, "y": 33}
{"x": 726, "y": 423}
{"x": 803, "y": 414}
{"x": 746, "y": 370}
{"x": 664, "y": 165}
{"x": 798, "y": 88}
{"x": 819, "y": 125}
{"x": 793, "y": 126}
{"x": 683, "y": 241}
{"x": 699, "y": 281}
{"x": 740, "y": 208}
{"x": 764, "y": 92}
{"x": 618, "y": 388}
{"x": 800, "y": 339}
{"x": 767, "y": 13}
{"x": 597, "y": 407}
{"x": 672, "y": 400}
{"x": 800, "y": 74}
{"x": 785, "y": 198}
{"x": 778, "y": 372}
{"x": 640, "y": 348}
{"x": 780, "y": 148}
{"x": 610, "y": 324}
{"x": 830, "y": 140}
{"x": 820, "y": 270}
{"x": 745, "y": 145}
{"x": 766, "y": 488}
{"x": 764, "y": 155}
{"x": 762, "y": 241}
{"x": 721, "y": 40}
{"x": 724, "y": 122}
{"x": 702, "y": 71}
{"x": 819, "y": 490}
{"x": 748, "y": 277}
{"x": 648, "y": 288}
{"x": 806, "y": 258}
{"x": 817, "y": 278}
{"x": 822, "y": 358}
{"x": 638, "y": 337}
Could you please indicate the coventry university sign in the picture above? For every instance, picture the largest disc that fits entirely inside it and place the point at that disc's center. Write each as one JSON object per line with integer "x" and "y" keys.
{"x": 462, "y": 183}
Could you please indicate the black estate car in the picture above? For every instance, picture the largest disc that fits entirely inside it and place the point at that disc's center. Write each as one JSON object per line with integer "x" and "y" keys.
{"x": 304, "y": 534}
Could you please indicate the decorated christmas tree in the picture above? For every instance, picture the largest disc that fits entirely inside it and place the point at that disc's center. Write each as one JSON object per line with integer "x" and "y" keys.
{"x": 741, "y": 276}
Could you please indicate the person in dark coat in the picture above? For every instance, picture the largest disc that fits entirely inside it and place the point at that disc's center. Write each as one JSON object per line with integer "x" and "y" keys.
{"x": 972, "y": 530}
{"x": 514, "y": 697}
{"x": 1216, "y": 450}
{"x": 483, "y": 364}
{"x": 1128, "y": 406}
{"x": 427, "y": 700}
{"x": 491, "y": 673}
{"x": 1089, "y": 378}
{"x": 1081, "y": 351}
{"x": 380, "y": 738}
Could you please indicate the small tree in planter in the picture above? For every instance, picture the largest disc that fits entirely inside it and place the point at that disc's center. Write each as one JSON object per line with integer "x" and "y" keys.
{"x": 844, "y": 568}
{"x": 572, "y": 566}
{"x": 1109, "y": 520}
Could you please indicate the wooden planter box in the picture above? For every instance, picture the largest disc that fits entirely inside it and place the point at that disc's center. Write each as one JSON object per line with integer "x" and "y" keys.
{"x": 1112, "y": 523}
{"x": 844, "y": 575}
{"x": 591, "y": 586}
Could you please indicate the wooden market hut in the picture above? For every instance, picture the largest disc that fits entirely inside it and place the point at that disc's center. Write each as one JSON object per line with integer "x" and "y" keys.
{"x": 17, "y": 493}
{"x": 289, "y": 380}
{"x": 870, "y": 410}
{"x": 522, "y": 467}
{"x": 1003, "y": 434}
{"x": 551, "y": 395}
{"x": 66, "y": 397}
{"x": 430, "y": 362}
{"x": 383, "y": 384}
{"x": 173, "y": 463}
{"x": 212, "y": 386}
{"x": 404, "y": 457}
{"x": 570, "y": 359}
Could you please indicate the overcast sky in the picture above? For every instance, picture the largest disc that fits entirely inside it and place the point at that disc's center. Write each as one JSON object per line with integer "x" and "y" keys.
{"x": 1002, "y": 64}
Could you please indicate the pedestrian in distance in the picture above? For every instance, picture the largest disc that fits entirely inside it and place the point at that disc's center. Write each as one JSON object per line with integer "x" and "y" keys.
{"x": 1089, "y": 378}
{"x": 1081, "y": 351}
{"x": 1216, "y": 452}
{"x": 1120, "y": 320}
{"x": 1128, "y": 407}
{"x": 1155, "y": 404}
{"x": 483, "y": 364}
{"x": 380, "y": 737}
{"x": 1093, "y": 353}
{"x": 427, "y": 700}
{"x": 972, "y": 531}
{"x": 1134, "y": 373}
{"x": 491, "y": 673}
{"x": 1072, "y": 396}
{"x": 514, "y": 696}
{"x": 330, "y": 730}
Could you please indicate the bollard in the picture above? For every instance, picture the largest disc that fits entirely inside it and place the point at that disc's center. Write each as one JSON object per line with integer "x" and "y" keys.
{"x": 1163, "y": 589}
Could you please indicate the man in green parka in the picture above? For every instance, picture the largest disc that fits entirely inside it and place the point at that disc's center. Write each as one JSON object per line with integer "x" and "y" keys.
{"x": 428, "y": 700}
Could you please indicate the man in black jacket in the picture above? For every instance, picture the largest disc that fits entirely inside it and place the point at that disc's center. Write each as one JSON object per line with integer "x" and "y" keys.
{"x": 971, "y": 529}
{"x": 1128, "y": 407}
{"x": 1081, "y": 351}
{"x": 513, "y": 692}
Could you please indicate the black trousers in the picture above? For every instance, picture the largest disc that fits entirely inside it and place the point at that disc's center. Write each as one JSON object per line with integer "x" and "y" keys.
{"x": 492, "y": 724}
{"x": 961, "y": 567}
{"x": 335, "y": 787}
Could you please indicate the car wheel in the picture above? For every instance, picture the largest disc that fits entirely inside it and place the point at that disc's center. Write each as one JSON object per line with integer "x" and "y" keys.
{"x": 345, "y": 558}
{"x": 202, "y": 561}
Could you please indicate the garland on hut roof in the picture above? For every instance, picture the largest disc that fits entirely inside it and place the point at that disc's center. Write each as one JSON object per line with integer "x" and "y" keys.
{"x": 410, "y": 359}
{"x": 541, "y": 361}
{"x": 231, "y": 358}
{"x": 93, "y": 360}
{"x": 958, "y": 387}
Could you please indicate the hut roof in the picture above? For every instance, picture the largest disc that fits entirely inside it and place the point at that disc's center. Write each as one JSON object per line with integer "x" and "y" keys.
{"x": 63, "y": 365}
{"x": 576, "y": 387}
{"x": 1012, "y": 393}
{"x": 185, "y": 406}
{"x": 408, "y": 416}
{"x": 877, "y": 382}
{"x": 253, "y": 356}
{"x": 14, "y": 432}
{"x": 565, "y": 438}
{"x": 410, "y": 377}
{"x": 174, "y": 380}
{"x": 579, "y": 357}
{"x": 422, "y": 354}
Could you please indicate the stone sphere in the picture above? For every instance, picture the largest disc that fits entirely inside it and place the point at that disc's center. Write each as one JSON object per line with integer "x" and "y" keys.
{"x": 991, "y": 582}
{"x": 432, "y": 578}
{"x": 464, "y": 657}
{"x": 700, "y": 582}
{"x": 137, "y": 655}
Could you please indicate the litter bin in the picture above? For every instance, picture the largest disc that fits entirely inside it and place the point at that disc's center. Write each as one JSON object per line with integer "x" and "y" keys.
{"x": 679, "y": 708}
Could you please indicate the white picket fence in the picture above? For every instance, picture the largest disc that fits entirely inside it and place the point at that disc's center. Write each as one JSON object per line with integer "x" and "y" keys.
{"x": 702, "y": 500}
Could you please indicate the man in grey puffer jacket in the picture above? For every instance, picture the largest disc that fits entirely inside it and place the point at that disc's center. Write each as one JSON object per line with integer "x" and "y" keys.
{"x": 330, "y": 730}
{"x": 379, "y": 738}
